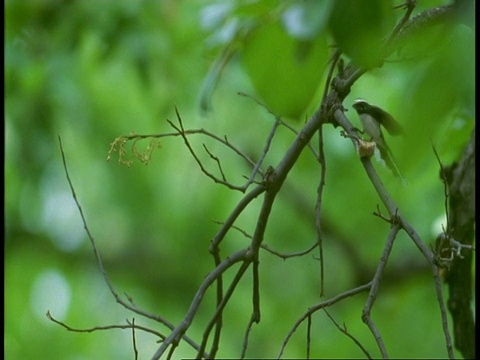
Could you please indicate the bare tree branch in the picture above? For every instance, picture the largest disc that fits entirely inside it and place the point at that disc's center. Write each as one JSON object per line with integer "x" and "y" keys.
{"x": 329, "y": 111}
{"x": 311, "y": 310}
{"x": 118, "y": 299}
{"x": 374, "y": 289}
{"x": 179, "y": 331}
{"x": 344, "y": 330}
{"x": 106, "y": 327}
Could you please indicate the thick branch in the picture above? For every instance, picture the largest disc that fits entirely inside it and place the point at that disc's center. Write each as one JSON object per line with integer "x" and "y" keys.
{"x": 462, "y": 225}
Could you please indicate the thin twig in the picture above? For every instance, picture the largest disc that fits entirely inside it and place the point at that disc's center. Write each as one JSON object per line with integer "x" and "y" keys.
{"x": 244, "y": 202}
{"x": 277, "y": 119}
{"x": 272, "y": 251}
{"x": 219, "y": 298}
{"x": 289, "y": 255}
{"x": 246, "y": 337}
{"x": 130, "y": 306}
{"x": 345, "y": 331}
{"x": 221, "y": 306}
{"x": 309, "y": 334}
{"x": 319, "y": 306}
{"x": 375, "y": 286}
{"x": 443, "y": 176}
{"x": 318, "y": 208}
{"x": 264, "y": 152}
{"x": 178, "y": 333}
{"x": 181, "y": 130}
{"x": 105, "y": 327}
{"x": 409, "y": 5}
{"x": 121, "y": 140}
{"x": 443, "y": 311}
{"x": 217, "y": 160}
{"x": 135, "y": 351}
{"x": 85, "y": 226}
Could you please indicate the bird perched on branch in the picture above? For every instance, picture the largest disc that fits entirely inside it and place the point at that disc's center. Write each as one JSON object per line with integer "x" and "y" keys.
{"x": 372, "y": 118}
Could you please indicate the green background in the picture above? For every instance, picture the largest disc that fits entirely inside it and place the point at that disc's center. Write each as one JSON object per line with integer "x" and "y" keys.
{"x": 90, "y": 71}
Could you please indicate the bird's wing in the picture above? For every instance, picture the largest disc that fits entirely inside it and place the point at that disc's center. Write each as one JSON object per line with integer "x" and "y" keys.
{"x": 387, "y": 121}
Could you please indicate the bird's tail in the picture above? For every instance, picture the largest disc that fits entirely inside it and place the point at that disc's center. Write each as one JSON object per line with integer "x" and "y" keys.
{"x": 387, "y": 157}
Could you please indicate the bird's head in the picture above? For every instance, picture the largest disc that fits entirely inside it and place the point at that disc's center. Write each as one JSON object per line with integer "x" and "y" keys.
{"x": 361, "y": 106}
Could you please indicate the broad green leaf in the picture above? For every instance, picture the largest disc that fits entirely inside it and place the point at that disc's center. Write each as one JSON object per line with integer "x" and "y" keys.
{"x": 284, "y": 71}
{"x": 359, "y": 26}
{"x": 441, "y": 92}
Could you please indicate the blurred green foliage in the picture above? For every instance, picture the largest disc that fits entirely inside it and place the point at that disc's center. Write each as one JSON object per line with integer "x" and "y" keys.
{"x": 92, "y": 71}
{"x": 370, "y": 20}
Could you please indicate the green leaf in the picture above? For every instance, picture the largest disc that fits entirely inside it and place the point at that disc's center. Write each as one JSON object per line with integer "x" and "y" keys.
{"x": 440, "y": 92}
{"x": 359, "y": 26}
{"x": 284, "y": 71}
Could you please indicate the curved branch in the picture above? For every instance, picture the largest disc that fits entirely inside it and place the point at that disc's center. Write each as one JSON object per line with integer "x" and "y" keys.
{"x": 179, "y": 332}
{"x": 319, "y": 306}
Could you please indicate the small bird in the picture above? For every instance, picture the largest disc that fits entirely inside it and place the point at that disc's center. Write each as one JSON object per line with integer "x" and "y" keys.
{"x": 372, "y": 117}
